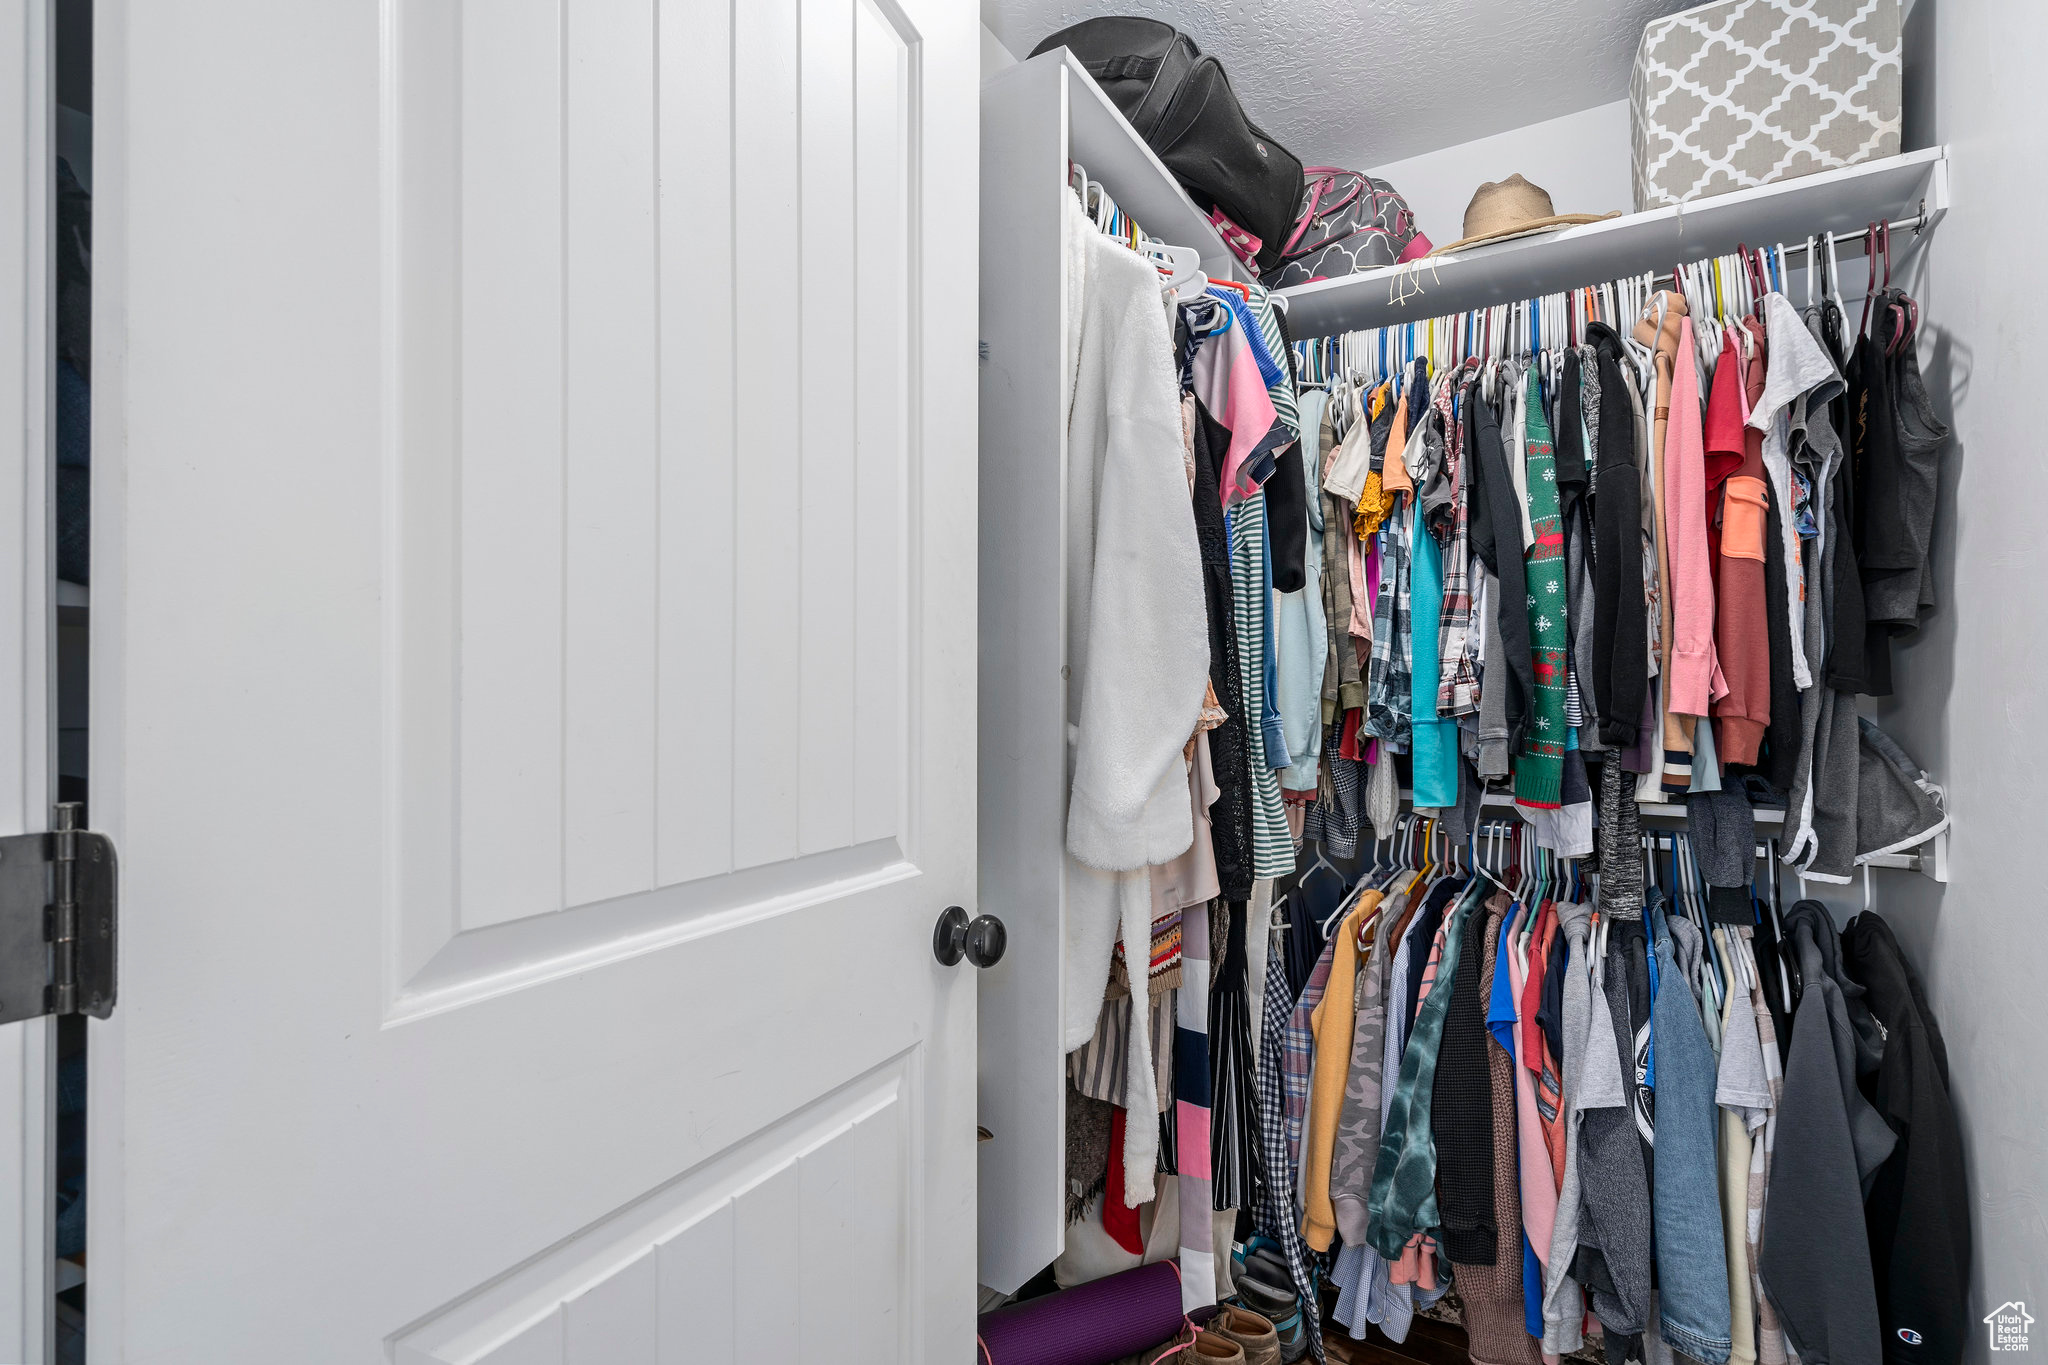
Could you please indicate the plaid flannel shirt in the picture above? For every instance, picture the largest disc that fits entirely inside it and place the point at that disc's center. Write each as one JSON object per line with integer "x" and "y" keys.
{"x": 1273, "y": 1211}
{"x": 1458, "y": 680}
{"x": 1388, "y": 696}
{"x": 1297, "y": 1048}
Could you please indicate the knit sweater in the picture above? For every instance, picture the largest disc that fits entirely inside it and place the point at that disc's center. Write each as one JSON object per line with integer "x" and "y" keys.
{"x": 1539, "y": 771}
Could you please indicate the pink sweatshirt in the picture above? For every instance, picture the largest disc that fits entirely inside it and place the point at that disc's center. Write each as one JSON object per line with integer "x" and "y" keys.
{"x": 1696, "y": 681}
{"x": 1539, "y": 1190}
{"x": 1228, "y": 382}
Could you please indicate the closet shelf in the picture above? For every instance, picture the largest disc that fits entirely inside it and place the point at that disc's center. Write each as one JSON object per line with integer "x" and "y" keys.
{"x": 1842, "y": 200}
{"x": 1102, "y": 140}
{"x": 1036, "y": 118}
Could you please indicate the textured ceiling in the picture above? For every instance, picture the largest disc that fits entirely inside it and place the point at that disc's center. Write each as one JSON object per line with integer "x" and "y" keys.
{"x": 1360, "y": 83}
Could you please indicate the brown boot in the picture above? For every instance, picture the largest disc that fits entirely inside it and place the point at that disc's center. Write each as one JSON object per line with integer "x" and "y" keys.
{"x": 1261, "y": 1344}
{"x": 1211, "y": 1347}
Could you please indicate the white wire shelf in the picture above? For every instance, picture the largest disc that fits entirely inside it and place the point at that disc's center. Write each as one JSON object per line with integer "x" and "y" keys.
{"x": 1912, "y": 184}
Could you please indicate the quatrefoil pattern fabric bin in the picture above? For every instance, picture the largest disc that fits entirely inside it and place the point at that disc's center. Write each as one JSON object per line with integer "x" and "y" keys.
{"x": 1746, "y": 92}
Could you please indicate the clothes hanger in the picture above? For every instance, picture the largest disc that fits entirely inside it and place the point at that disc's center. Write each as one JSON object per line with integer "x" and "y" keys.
{"x": 1481, "y": 868}
{"x": 1513, "y": 914}
{"x": 1182, "y": 265}
{"x": 1345, "y": 904}
{"x": 1539, "y": 911}
{"x": 1777, "y": 932}
{"x": 1710, "y": 976}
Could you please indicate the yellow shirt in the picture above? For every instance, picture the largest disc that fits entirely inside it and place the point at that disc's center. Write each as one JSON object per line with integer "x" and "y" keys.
{"x": 1331, "y": 1022}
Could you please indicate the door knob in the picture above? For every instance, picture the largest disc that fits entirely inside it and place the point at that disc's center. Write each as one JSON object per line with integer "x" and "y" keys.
{"x": 980, "y": 940}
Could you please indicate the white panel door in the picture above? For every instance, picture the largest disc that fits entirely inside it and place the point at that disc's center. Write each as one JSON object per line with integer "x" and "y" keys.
{"x": 534, "y": 681}
{"x": 27, "y": 343}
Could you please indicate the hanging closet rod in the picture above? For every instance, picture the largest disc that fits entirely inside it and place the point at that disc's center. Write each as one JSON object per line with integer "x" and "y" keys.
{"x": 1451, "y": 336}
{"x": 1855, "y": 237}
{"x": 1929, "y": 859}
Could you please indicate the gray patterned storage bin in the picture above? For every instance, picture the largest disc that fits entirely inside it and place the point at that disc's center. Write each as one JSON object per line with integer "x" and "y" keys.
{"x": 1746, "y": 92}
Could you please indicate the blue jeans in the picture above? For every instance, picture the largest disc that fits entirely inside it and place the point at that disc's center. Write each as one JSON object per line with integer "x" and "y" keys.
{"x": 1692, "y": 1256}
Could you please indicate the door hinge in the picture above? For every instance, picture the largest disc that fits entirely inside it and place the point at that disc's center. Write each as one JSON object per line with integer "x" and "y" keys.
{"x": 57, "y": 921}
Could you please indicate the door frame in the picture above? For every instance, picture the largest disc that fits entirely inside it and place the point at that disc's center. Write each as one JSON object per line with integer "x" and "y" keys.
{"x": 105, "y": 1154}
{"x": 27, "y": 654}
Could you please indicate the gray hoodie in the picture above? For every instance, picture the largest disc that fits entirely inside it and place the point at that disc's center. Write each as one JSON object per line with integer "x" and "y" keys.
{"x": 1563, "y": 1308}
{"x": 1358, "y": 1125}
{"x": 1615, "y": 1226}
{"x": 1828, "y": 1136}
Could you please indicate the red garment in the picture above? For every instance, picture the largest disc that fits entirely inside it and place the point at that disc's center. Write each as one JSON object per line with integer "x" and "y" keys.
{"x": 1119, "y": 1222}
{"x": 1726, "y": 439}
{"x": 1742, "y": 639}
{"x": 1548, "y": 1066}
{"x": 1545, "y": 927}
{"x": 1349, "y": 745}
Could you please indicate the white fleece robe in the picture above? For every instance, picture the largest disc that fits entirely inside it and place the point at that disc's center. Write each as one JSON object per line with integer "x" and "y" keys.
{"x": 1137, "y": 636}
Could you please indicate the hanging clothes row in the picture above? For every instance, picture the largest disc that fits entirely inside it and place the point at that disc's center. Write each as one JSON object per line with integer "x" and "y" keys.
{"x": 1684, "y": 450}
{"x": 1179, "y": 393}
{"x": 1624, "y": 540}
{"x": 1519, "y": 1102}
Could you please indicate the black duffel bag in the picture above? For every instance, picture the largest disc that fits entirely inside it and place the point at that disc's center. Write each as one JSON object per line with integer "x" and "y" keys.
{"x": 1181, "y": 103}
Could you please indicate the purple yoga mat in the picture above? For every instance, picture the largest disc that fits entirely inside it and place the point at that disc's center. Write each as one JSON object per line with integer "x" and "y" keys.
{"x": 1090, "y": 1324}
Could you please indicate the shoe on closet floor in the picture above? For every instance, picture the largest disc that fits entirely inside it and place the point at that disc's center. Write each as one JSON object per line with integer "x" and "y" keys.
{"x": 1188, "y": 1346}
{"x": 1251, "y": 1331}
{"x": 1210, "y": 1347}
{"x": 1180, "y": 1347}
{"x": 1280, "y": 1308}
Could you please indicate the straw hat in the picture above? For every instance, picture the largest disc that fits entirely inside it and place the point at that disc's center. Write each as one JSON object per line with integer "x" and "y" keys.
{"x": 1513, "y": 208}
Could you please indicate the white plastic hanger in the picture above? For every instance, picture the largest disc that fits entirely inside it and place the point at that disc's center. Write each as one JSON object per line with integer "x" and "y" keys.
{"x": 1479, "y": 866}
{"x": 1184, "y": 268}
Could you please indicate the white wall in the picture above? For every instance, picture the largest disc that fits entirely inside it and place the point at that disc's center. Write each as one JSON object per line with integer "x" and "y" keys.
{"x": 1582, "y": 159}
{"x": 1971, "y": 687}
{"x": 994, "y": 56}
